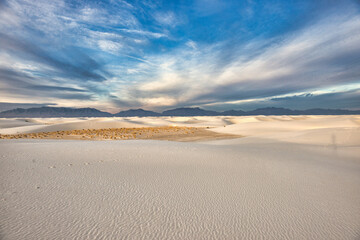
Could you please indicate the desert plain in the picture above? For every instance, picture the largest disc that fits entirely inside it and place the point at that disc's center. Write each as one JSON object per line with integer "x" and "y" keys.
{"x": 223, "y": 177}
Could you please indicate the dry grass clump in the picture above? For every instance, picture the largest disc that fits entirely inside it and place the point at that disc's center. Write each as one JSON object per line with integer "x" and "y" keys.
{"x": 108, "y": 133}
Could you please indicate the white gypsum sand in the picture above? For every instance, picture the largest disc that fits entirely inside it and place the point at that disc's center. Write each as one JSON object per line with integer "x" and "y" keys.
{"x": 289, "y": 178}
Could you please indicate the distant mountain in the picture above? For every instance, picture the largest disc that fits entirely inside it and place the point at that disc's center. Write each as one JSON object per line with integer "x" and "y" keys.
{"x": 189, "y": 112}
{"x": 54, "y": 112}
{"x": 137, "y": 113}
{"x": 273, "y": 111}
{"x": 233, "y": 113}
{"x": 92, "y": 112}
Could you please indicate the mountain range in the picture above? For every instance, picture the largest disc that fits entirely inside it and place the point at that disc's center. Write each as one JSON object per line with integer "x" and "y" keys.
{"x": 92, "y": 112}
{"x": 54, "y": 112}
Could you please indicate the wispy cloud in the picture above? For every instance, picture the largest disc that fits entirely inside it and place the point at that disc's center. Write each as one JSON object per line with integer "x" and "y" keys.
{"x": 144, "y": 33}
{"x": 324, "y": 54}
{"x": 158, "y": 55}
{"x": 167, "y": 18}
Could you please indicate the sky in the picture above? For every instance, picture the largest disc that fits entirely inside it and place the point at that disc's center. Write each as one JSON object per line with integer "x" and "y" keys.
{"x": 218, "y": 55}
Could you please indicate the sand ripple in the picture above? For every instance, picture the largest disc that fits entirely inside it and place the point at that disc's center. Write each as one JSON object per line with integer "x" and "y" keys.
{"x": 168, "y": 190}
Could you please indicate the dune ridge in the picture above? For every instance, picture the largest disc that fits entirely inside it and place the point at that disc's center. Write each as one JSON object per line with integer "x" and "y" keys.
{"x": 305, "y": 129}
{"x": 256, "y": 177}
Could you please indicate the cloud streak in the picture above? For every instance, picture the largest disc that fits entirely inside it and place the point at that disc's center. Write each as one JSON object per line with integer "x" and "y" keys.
{"x": 118, "y": 54}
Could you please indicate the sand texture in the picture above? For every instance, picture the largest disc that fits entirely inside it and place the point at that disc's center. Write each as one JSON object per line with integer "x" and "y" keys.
{"x": 288, "y": 178}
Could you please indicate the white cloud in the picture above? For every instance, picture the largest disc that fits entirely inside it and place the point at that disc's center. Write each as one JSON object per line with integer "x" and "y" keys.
{"x": 166, "y": 18}
{"x": 158, "y": 101}
{"x": 145, "y": 33}
{"x": 132, "y": 70}
{"x": 191, "y": 44}
{"x": 194, "y": 72}
{"x": 8, "y": 18}
{"x": 110, "y": 46}
{"x": 298, "y": 61}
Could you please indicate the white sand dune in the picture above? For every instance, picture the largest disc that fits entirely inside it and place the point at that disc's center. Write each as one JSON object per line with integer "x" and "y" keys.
{"x": 73, "y": 124}
{"x": 90, "y": 124}
{"x": 319, "y": 130}
{"x": 167, "y": 190}
{"x": 290, "y": 177}
{"x": 11, "y": 123}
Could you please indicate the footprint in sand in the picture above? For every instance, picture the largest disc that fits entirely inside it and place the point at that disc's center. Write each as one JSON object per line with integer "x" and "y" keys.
{"x": 70, "y": 164}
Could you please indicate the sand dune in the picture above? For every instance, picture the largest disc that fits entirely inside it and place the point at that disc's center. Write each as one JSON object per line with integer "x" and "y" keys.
{"x": 332, "y": 137}
{"x": 72, "y": 124}
{"x": 168, "y": 190}
{"x": 12, "y": 123}
{"x": 289, "y": 177}
{"x": 320, "y": 130}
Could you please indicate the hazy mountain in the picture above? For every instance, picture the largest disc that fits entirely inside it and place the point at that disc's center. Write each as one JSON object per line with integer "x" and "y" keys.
{"x": 233, "y": 113}
{"x": 202, "y": 112}
{"x": 54, "y": 112}
{"x": 273, "y": 111}
{"x": 137, "y": 113}
{"x": 189, "y": 112}
{"x": 92, "y": 112}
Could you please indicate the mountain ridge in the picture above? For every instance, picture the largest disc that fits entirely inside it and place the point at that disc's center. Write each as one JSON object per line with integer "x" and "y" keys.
{"x": 136, "y": 113}
{"x": 92, "y": 112}
{"x": 54, "y": 112}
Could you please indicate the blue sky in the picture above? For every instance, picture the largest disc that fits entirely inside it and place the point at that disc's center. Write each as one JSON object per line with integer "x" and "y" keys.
{"x": 115, "y": 55}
